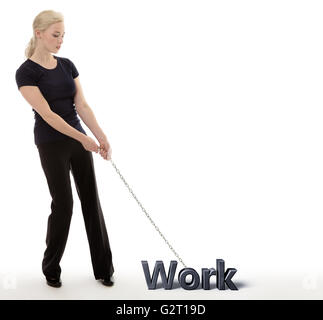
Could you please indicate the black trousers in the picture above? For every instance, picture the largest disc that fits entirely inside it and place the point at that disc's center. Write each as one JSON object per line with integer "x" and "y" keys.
{"x": 58, "y": 158}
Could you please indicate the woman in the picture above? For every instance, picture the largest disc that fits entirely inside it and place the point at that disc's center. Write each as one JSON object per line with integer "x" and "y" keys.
{"x": 51, "y": 85}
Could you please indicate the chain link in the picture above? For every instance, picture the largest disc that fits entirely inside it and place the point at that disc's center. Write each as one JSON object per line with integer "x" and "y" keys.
{"x": 148, "y": 216}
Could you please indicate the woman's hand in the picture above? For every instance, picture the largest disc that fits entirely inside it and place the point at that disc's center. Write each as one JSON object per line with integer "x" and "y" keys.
{"x": 89, "y": 144}
{"x": 105, "y": 149}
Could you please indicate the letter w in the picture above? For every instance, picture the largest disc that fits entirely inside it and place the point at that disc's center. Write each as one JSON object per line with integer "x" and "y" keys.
{"x": 159, "y": 268}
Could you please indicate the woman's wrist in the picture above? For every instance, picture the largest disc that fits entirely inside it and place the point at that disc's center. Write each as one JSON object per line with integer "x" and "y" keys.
{"x": 102, "y": 138}
{"x": 81, "y": 137}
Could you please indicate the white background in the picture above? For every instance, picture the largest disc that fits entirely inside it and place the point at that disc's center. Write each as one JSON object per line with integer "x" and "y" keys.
{"x": 213, "y": 110}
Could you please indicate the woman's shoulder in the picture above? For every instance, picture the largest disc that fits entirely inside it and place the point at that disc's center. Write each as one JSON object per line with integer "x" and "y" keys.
{"x": 27, "y": 64}
{"x": 27, "y": 74}
{"x": 70, "y": 64}
{"x": 28, "y": 68}
{"x": 64, "y": 60}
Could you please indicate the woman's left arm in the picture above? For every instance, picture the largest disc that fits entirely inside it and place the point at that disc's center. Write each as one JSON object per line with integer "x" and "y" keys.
{"x": 88, "y": 117}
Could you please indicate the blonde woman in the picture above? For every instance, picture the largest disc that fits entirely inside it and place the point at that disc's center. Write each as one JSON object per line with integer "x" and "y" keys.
{"x": 51, "y": 85}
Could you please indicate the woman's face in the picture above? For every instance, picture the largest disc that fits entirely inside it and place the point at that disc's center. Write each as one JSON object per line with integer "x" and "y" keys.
{"x": 52, "y": 38}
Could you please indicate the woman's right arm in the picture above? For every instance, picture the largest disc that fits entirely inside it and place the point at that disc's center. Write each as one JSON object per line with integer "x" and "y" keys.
{"x": 35, "y": 98}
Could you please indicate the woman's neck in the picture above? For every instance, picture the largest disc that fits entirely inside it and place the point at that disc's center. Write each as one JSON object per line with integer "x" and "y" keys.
{"x": 45, "y": 58}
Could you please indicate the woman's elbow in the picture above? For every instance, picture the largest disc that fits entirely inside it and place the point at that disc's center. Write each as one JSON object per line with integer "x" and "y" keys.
{"x": 48, "y": 116}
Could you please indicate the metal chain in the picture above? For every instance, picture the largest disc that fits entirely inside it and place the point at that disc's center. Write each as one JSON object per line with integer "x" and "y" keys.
{"x": 148, "y": 216}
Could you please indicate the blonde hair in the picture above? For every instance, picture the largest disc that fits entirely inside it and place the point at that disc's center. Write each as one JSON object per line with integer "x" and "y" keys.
{"x": 41, "y": 22}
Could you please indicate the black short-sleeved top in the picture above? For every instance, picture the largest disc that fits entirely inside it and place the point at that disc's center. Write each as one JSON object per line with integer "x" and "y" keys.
{"x": 58, "y": 88}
